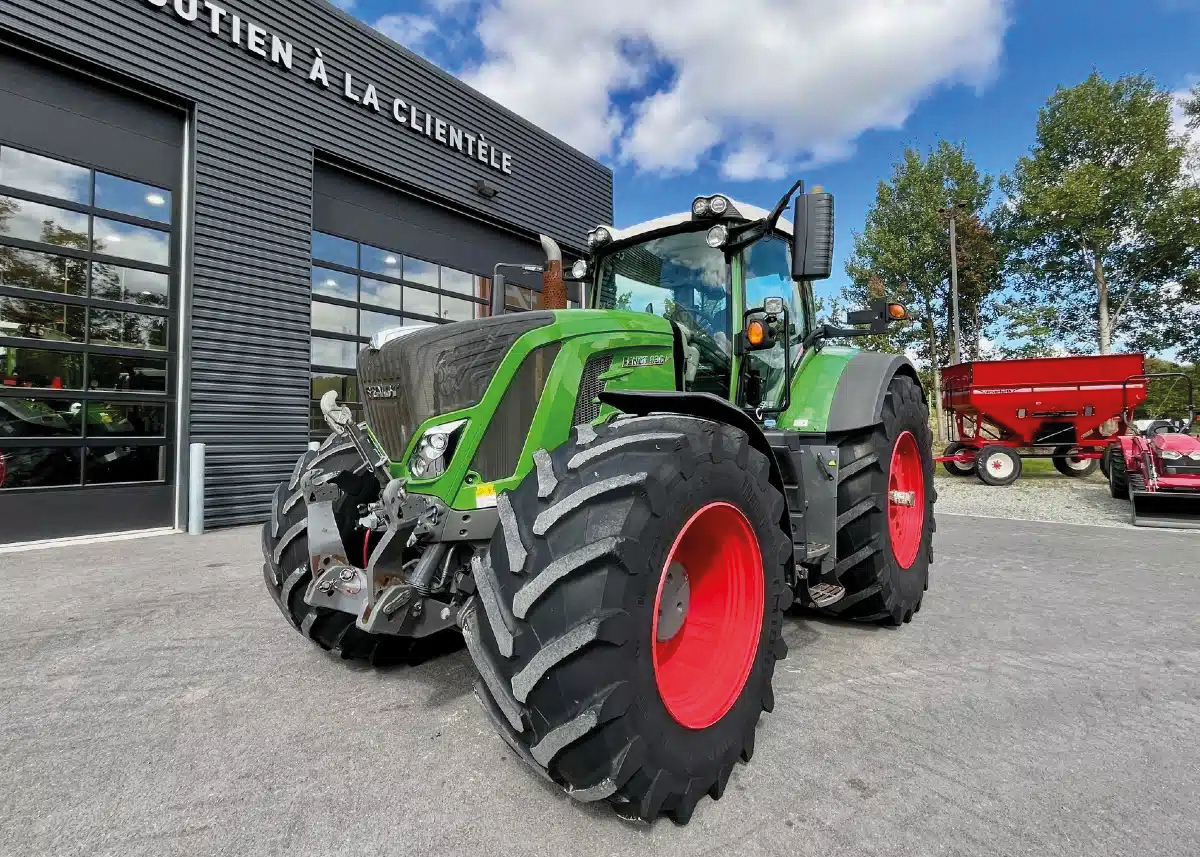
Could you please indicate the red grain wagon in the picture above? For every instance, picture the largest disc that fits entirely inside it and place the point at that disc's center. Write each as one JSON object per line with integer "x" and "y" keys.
{"x": 1063, "y": 408}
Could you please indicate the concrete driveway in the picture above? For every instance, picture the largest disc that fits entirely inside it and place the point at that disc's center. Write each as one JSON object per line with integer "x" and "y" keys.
{"x": 1045, "y": 701}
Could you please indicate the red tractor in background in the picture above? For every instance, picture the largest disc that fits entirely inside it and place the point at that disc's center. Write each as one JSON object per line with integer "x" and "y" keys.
{"x": 1156, "y": 466}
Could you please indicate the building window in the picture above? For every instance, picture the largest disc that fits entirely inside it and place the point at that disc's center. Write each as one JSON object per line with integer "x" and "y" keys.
{"x": 359, "y": 290}
{"x": 86, "y": 337}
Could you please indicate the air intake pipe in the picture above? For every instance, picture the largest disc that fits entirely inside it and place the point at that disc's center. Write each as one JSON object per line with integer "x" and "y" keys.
{"x": 554, "y": 290}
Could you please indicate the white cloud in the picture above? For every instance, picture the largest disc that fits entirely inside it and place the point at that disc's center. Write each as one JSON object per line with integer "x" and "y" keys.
{"x": 759, "y": 86}
{"x": 408, "y": 30}
{"x": 344, "y": 4}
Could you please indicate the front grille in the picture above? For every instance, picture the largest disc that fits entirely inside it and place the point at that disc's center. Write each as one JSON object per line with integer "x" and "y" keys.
{"x": 501, "y": 446}
{"x": 590, "y": 386}
{"x": 433, "y": 371}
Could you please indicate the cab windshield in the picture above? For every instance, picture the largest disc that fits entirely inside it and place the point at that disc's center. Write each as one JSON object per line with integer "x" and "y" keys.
{"x": 682, "y": 279}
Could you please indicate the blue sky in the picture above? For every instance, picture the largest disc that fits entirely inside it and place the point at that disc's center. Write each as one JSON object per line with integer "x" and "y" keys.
{"x": 683, "y": 97}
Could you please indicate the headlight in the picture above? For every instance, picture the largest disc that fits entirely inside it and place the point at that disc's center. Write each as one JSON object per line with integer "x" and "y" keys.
{"x": 1195, "y": 456}
{"x": 700, "y": 206}
{"x": 579, "y": 269}
{"x": 1171, "y": 455}
{"x": 434, "y": 450}
{"x": 599, "y": 237}
{"x": 718, "y": 205}
{"x": 716, "y": 236}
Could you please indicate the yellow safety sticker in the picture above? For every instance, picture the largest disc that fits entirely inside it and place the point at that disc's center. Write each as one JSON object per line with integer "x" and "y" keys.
{"x": 485, "y": 496}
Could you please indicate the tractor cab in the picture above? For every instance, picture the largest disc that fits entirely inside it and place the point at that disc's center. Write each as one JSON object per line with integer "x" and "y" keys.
{"x": 734, "y": 280}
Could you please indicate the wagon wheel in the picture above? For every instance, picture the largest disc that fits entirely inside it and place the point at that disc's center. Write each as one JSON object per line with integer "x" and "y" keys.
{"x": 955, "y": 468}
{"x": 1068, "y": 463}
{"x": 997, "y": 465}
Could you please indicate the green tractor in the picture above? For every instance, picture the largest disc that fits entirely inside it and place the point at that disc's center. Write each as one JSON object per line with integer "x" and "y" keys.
{"x": 617, "y": 504}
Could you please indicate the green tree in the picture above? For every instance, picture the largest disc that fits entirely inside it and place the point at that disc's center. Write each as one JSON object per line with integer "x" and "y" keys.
{"x": 1102, "y": 225}
{"x": 903, "y": 250}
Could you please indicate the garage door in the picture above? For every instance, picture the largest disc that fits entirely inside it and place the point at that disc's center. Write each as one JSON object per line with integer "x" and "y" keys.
{"x": 383, "y": 258}
{"x": 89, "y": 209}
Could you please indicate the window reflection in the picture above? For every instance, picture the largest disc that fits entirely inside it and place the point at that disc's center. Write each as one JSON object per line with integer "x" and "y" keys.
{"x": 331, "y": 317}
{"x": 334, "y": 352}
{"x": 330, "y": 248}
{"x": 419, "y": 271}
{"x": 131, "y": 329}
{"x": 133, "y": 198}
{"x": 379, "y": 261}
{"x": 346, "y": 386}
{"x": 130, "y": 285}
{"x": 458, "y": 281}
{"x": 136, "y": 374}
{"x": 335, "y": 284}
{"x": 519, "y": 298}
{"x": 371, "y": 323}
{"x": 131, "y": 242}
{"x": 119, "y": 419}
{"x": 33, "y": 221}
{"x": 33, "y": 367}
{"x": 36, "y": 417}
{"x": 38, "y": 467}
{"x": 26, "y": 269}
{"x": 424, "y": 303}
{"x": 379, "y": 293}
{"x": 456, "y": 310}
{"x": 41, "y": 320}
{"x": 46, "y": 176}
{"x": 106, "y": 465}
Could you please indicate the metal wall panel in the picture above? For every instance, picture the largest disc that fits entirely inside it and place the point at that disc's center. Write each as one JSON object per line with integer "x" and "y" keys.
{"x": 257, "y": 126}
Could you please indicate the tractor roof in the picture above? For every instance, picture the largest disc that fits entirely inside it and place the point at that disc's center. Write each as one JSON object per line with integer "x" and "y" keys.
{"x": 749, "y": 212}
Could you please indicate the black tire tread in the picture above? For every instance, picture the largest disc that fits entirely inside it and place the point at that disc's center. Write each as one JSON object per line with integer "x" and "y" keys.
{"x": 865, "y": 566}
{"x": 287, "y": 574}
{"x": 568, "y": 531}
{"x": 1118, "y": 479}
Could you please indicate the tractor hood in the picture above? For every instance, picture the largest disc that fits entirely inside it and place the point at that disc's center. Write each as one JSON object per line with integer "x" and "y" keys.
{"x": 434, "y": 370}
{"x": 1184, "y": 444}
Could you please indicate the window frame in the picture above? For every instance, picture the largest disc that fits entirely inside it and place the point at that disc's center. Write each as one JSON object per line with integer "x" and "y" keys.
{"x": 87, "y": 397}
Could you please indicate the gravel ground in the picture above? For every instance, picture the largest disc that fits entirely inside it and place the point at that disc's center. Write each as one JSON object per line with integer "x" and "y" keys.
{"x": 1049, "y": 497}
{"x": 1045, "y": 701}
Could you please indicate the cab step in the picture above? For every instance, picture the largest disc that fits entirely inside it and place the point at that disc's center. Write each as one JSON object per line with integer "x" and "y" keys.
{"x": 824, "y": 594}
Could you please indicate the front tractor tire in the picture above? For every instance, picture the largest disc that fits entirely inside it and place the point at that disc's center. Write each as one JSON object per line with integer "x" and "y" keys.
{"x": 885, "y": 511}
{"x": 629, "y": 614}
{"x": 286, "y": 562}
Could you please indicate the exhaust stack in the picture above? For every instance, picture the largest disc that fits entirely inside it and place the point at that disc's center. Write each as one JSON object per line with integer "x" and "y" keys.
{"x": 554, "y": 290}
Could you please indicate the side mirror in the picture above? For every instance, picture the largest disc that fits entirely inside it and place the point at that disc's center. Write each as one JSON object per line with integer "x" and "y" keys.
{"x": 812, "y": 239}
{"x": 879, "y": 316}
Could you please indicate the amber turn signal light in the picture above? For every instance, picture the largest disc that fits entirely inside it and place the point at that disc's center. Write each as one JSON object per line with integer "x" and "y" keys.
{"x": 897, "y": 311}
{"x": 756, "y": 332}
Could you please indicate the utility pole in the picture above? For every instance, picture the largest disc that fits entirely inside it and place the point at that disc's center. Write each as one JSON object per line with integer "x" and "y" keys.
{"x": 955, "y": 337}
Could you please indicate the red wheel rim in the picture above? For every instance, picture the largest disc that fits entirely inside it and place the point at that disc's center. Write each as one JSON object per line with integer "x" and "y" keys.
{"x": 701, "y": 670}
{"x": 906, "y": 500}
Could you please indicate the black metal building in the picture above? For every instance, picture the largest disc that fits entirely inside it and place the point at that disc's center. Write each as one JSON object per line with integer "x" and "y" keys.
{"x": 205, "y": 209}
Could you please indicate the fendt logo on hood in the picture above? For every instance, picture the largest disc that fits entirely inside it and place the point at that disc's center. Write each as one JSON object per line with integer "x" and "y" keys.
{"x": 381, "y": 391}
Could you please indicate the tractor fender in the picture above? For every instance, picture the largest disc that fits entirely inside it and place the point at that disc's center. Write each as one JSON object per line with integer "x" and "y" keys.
{"x": 862, "y": 388}
{"x": 701, "y": 405}
{"x": 706, "y": 406}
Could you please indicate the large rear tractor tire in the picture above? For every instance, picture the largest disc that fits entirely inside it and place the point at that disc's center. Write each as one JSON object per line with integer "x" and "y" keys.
{"x": 286, "y": 566}
{"x": 885, "y": 511}
{"x": 629, "y": 616}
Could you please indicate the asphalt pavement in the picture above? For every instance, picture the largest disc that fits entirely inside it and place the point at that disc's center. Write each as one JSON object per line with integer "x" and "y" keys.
{"x": 1045, "y": 701}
